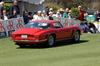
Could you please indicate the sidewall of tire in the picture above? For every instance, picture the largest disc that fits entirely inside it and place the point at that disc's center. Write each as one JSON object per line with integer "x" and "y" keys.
{"x": 74, "y": 39}
{"x": 48, "y": 41}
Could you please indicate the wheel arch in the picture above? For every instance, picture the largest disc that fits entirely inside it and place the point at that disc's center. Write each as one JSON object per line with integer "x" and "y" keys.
{"x": 53, "y": 34}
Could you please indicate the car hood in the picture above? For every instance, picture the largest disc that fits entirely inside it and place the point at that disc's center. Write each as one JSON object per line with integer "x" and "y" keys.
{"x": 29, "y": 31}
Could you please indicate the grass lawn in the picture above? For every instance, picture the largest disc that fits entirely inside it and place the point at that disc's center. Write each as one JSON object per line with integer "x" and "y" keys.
{"x": 85, "y": 53}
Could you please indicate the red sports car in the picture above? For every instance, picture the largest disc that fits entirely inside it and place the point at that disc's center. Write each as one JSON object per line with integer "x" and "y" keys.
{"x": 40, "y": 31}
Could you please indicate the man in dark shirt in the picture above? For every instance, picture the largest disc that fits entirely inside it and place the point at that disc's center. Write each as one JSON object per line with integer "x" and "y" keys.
{"x": 1, "y": 8}
{"x": 25, "y": 17}
{"x": 15, "y": 10}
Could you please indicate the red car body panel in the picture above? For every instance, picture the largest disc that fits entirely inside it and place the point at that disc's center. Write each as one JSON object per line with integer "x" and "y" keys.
{"x": 35, "y": 35}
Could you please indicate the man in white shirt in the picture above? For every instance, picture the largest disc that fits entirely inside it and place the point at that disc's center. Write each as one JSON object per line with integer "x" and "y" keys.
{"x": 38, "y": 16}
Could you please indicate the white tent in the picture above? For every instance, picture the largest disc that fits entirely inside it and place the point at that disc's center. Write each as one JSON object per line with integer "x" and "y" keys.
{"x": 34, "y": 1}
{"x": 29, "y": 1}
{"x": 32, "y": 5}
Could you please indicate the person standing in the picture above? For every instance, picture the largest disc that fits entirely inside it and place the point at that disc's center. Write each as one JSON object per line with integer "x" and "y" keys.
{"x": 1, "y": 8}
{"x": 35, "y": 16}
{"x": 30, "y": 15}
{"x": 44, "y": 16}
{"x": 81, "y": 13}
{"x": 51, "y": 16}
{"x": 65, "y": 14}
{"x": 25, "y": 17}
{"x": 61, "y": 10}
{"x": 4, "y": 15}
{"x": 38, "y": 16}
{"x": 15, "y": 10}
{"x": 97, "y": 15}
{"x": 70, "y": 14}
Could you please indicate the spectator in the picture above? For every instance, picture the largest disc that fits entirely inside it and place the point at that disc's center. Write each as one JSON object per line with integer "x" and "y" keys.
{"x": 14, "y": 14}
{"x": 97, "y": 15}
{"x": 39, "y": 13}
{"x": 47, "y": 10}
{"x": 55, "y": 14}
{"x": 70, "y": 14}
{"x": 15, "y": 11}
{"x": 38, "y": 16}
{"x": 50, "y": 15}
{"x": 1, "y": 8}
{"x": 4, "y": 15}
{"x": 61, "y": 10}
{"x": 65, "y": 14}
{"x": 35, "y": 16}
{"x": 44, "y": 16}
{"x": 58, "y": 14}
{"x": 51, "y": 10}
{"x": 25, "y": 16}
{"x": 30, "y": 15}
{"x": 81, "y": 13}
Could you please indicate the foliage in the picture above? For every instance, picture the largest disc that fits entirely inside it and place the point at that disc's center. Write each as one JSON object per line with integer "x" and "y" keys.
{"x": 55, "y": 6}
{"x": 75, "y": 12}
{"x": 74, "y": 3}
{"x": 7, "y": 6}
{"x": 69, "y": 5}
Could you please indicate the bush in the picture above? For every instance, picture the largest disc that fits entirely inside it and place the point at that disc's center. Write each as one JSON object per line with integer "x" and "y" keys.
{"x": 75, "y": 12}
{"x": 7, "y": 6}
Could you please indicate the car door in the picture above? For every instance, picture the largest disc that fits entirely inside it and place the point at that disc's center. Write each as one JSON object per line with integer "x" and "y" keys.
{"x": 61, "y": 33}
{"x": 69, "y": 31}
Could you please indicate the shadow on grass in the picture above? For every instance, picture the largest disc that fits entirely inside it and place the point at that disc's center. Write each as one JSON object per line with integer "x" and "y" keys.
{"x": 63, "y": 43}
{"x": 57, "y": 44}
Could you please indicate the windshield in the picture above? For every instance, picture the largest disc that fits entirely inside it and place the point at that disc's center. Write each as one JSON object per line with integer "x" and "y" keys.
{"x": 40, "y": 25}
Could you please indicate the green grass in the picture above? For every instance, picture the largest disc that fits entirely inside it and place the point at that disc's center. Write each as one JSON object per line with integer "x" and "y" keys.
{"x": 85, "y": 53}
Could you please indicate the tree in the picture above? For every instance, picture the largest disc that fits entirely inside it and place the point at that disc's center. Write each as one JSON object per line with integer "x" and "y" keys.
{"x": 74, "y": 3}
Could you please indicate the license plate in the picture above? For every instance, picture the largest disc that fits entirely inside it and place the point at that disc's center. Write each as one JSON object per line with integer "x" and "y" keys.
{"x": 24, "y": 36}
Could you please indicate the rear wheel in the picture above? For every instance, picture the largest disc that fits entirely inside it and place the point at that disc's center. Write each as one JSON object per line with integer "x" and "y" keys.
{"x": 22, "y": 46}
{"x": 76, "y": 37}
{"x": 51, "y": 41}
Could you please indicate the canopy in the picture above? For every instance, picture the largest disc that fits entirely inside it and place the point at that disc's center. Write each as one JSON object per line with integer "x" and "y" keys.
{"x": 29, "y": 1}
{"x": 34, "y": 1}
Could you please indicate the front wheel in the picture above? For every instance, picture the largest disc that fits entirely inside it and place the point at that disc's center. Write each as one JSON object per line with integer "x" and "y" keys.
{"x": 76, "y": 37}
{"x": 51, "y": 41}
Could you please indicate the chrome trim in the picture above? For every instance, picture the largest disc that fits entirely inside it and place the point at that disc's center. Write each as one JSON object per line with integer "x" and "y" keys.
{"x": 30, "y": 40}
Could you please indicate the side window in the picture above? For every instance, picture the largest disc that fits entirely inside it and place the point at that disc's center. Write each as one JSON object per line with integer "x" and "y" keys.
{"x": 57, "y": 25}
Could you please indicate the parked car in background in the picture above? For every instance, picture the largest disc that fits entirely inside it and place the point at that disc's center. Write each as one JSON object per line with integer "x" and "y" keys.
{"x": 45, "y": 31}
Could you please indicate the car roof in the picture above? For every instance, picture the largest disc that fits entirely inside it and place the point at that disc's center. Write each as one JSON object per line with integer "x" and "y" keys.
{"x": 48, "y": 21}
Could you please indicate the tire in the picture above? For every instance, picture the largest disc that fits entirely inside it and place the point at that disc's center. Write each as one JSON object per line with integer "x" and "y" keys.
{"x": 22, "y": 46}
{"x": 51, "y": 41}
{"x": 76, "y": 37}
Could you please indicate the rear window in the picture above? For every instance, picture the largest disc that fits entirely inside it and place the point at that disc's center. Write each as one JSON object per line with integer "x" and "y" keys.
{"x": 41, "y": 25}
